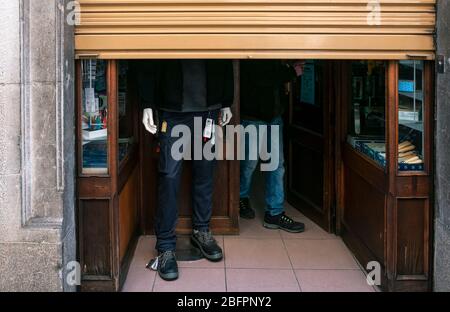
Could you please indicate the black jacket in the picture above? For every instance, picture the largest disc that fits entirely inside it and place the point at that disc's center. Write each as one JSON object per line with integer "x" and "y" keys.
{"x": 262, "y": 88}
{"x": 160, "y": 83}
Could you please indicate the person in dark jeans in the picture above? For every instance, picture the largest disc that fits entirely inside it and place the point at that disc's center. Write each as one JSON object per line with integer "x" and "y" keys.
{"x": 262, "y": 104}
{"x": 181, "y": 90}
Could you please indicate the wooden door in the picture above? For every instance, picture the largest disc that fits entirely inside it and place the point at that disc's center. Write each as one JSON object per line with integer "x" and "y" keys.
{"x": 309, "y": 146}
{"x": 225, "y": 219}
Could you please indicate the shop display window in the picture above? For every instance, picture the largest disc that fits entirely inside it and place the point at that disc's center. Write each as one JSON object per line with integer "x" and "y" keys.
{"x": 367, "y": 110}
{"x": 410, "y": 116}
{"x": 94, "y": 117}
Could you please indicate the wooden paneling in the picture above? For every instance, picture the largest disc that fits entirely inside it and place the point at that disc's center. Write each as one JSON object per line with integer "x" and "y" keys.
{"x": 364, "y": 212}
{"x": 365, "y": 167}
{"x": 242, "y": 28}
{"x": 95, "y": 238}
{"x": 128, "y": 209}
{"x": 94, "y": 187}
{"x": 306, "y": 181}
{"x": 410, "y": 249}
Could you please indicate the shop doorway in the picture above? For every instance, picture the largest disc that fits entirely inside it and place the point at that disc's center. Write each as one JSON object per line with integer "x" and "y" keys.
{"x": 117, "y": 183}
{"x": 309, "y": 140}
{"x": 346, "y": 127}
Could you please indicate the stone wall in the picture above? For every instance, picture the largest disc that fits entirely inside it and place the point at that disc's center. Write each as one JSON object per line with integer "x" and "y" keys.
{"x": 442, "y": 198}
{"x": 37, "y": 233}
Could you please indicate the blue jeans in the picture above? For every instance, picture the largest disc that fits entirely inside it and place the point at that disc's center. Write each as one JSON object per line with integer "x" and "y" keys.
{"x": 170, "y": 171}
{"x": 274, "y": 180}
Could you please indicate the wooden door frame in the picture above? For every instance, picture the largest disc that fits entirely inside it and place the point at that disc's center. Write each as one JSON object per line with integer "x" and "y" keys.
{"x": 342, "y": 93}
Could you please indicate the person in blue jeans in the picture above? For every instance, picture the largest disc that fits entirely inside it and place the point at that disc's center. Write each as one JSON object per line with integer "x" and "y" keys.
{"x": 262, "y": 104}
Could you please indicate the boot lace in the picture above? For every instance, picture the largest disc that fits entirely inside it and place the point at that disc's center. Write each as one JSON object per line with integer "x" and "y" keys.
{"x": 286, "y": 219}
{"x": 206, "y": 237}
{"x": 243, "y": 203}
{"x": 165, "y": 256}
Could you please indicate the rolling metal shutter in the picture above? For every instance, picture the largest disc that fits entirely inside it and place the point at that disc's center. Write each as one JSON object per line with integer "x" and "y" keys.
{"x": 328, "y": 29}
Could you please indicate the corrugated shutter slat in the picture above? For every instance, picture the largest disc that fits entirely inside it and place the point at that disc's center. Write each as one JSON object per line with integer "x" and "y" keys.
{"x": 337, "y": 29}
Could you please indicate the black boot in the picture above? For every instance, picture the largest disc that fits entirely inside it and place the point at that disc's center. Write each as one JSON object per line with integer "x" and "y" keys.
{"x": 283, "y": 222}
{"x": 167, "y": 266}
{"x": 208, "y": 246}
{"x": 245, "y": 210}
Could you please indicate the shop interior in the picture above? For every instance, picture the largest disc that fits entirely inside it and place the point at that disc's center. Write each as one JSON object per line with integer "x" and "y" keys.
{"x": 357, "y": 148}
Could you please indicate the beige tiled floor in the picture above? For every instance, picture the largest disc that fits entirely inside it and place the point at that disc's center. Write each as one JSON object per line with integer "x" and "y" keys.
{"x": 259, "y": 260}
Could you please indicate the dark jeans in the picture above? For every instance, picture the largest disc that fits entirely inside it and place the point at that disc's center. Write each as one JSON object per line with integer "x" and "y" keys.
{"x": 170, "y": 171}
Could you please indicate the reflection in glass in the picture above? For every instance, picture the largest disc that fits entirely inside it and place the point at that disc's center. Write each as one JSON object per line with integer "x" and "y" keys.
{"x": 94, "y": 117}
{"x": 367, "y": 110}
{"x": 126, "y": 121}
{"x": 410, "y": 115}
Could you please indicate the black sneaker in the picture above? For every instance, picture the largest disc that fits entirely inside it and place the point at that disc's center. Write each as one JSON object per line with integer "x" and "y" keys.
{"x": 283, "y": 222}
{"x": 245, "y": 211}
{"x": 167, "y": 266}
{"x": 208, "y": 246}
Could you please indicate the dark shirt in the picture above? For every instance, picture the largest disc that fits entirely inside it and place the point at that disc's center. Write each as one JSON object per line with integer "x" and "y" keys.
{"x": 185, "y": 85}
{"x": 262, "y": 88}
{"x": 194, "y": 86}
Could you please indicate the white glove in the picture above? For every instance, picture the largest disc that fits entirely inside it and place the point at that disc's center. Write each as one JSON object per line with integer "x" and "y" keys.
{"x": 148, "y": 121}
{"x": 225, "y": 116}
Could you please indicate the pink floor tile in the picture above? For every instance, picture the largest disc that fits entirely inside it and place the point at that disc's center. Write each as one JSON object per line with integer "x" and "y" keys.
{"x": 139, "y": 279}
{"x": 259, "y": 260}
{"x": 255, "y": 253}
{"x": 332, "y": 281}
{"x": 319, "y": 254}
{"x": 194, "y": 280}
{"x": 312, "y": 231}
{"x": 255, "y": 229}
{"x": 261, "y": 280}
{"x": 145, "y": 251}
